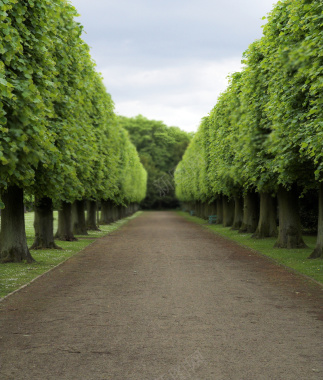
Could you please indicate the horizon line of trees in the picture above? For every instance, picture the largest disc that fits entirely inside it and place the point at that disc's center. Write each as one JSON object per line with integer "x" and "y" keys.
{"x": 261, "y": 146}
{"x": 60, "y": 140}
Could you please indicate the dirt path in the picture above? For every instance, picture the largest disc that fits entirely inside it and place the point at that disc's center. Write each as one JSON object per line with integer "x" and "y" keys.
{"x": 163, "y": 298}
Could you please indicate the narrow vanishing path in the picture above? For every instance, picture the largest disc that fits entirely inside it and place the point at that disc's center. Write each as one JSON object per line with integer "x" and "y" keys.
{"x": 163, "y": 299}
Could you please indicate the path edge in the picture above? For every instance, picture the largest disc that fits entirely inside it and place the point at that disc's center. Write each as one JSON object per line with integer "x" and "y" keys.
{"x": 65, "y": 261}
{"x": 254, "y": 251}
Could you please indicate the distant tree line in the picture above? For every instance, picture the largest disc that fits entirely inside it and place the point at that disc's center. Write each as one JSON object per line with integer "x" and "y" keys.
{"x": 262, "y": 143}
{"x": 60, "y": 140}
{"x": 160, "y": 149}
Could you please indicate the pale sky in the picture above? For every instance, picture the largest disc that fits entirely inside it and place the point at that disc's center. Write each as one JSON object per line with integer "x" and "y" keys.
{"x": 168, "y": 60}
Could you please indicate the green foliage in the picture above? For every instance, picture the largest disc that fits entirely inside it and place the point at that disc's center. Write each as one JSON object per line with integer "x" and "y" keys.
{"x": 132, "y": 181}
{"x": 160, "y": 149}
{"x": 191, "y": 172}
{"x": 294, "y": 59}
{"x": 58, "y": 130}
{"x": 266, "y": 129}
{"x": 27, "y": 87}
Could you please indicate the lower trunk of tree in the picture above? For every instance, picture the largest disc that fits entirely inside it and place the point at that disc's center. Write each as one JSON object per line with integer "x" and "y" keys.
{"x": 191, "y": 206}
{"x": 106, "y": 212}
{"x": 115, "y": 213}
{"x": 212, "y": 208}
{"x": 44, "y": 225}
{"x": 121, "y": 212}
{"x": 13, "y": 241}
{"x": 267, "y": 226}
{"x": 228, "y": 211}
{"x": 208, "y": 210}
{"x": 219, "y": 208}
{"x": 250, "y": 212}
{"x": 318, "y": 251}
{"x": 203, "y": 210}
{"x": 64, "y": 231}
{"x": 197, "y": 209}
{"x": 78, "y": 218}
{"x": 91, "y": 216}
{"x": 290, "y": 235}
{"x": 238, "y": 212}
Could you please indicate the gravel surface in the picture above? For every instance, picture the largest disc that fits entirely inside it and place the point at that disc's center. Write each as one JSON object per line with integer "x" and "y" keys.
{"x": 164, "y": 298}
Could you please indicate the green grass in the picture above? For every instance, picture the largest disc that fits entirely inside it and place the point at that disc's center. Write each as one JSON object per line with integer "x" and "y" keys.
{"x": 14, "y": 275}
{"x": 296, "y": 259}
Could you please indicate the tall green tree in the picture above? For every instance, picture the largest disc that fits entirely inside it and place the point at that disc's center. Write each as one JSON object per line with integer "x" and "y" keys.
{"x": 27, "y": 90}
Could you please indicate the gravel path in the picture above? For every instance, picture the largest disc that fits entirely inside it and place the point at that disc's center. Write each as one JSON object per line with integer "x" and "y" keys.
{"x": 163, "y": 298}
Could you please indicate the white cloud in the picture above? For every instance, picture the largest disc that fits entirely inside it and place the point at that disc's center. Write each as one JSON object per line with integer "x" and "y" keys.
{"x": 168, "y": 59}
{"x": 178, "y": 95}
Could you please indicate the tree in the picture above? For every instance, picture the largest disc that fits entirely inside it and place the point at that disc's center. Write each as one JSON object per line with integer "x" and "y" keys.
{"x": 27, "y": 89}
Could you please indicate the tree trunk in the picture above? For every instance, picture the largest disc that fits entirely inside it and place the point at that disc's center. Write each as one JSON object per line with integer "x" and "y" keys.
{"x": 64, "y": 231}
{"x": 197, "y": 209}
{"x": 78, "y": 218}
{"x": 44, "y": 225}
{"x": 120, "y": 212}
{"x": 13, "y": 241}
{"x": 207, "y": 210}
{"x": 219, "y": 207}
{"x": 318, "y": 251}
{"x": 228, "y": 211}
{"x": 250, "y": 212}
{"x": 106, "y": 212}
{"x": 212, "y": 208}
{"x": 238, "y": 212}
{"x": 91, "y": 216}
{"x": 289, "y": 235}
{"x": 267, "y": 226}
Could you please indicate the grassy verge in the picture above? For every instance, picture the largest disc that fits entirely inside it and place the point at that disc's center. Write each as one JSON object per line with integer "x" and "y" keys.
{"x": 13, "y": 275}
{"x": 292, "y": 258}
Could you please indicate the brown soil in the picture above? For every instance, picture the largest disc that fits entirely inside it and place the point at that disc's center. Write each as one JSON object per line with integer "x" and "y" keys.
{"x": 163, "y": 298}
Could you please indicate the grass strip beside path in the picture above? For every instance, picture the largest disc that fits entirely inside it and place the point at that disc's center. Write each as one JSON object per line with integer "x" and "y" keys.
{"x": 15, "y": 275}
{"x": 296, "y": 259}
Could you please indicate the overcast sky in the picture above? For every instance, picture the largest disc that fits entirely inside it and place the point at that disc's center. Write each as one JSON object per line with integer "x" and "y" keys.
{"x": 168, "y": 59}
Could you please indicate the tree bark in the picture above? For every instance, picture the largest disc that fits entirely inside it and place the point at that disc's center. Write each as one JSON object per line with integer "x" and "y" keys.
{"x": 238, "y": 212}
{"x": 13, "y": 241}
{"x": 207, "y": 210}
{"x": 250, "y": 212}
{"x": 120, "y": 212}
{"x": 228, "y": 211}
{"x": 106, "y": 212}
{"x": 78, "y": 218}
{"x": 44, "y": 225}
{"x": 212, "y": 208}
{"x": 267, "y": 226}
{"x": 318, "y": 251}
{"x": 219, "y": 208}
{"x": 197, "y": 209}
{"x": 64, "y": 231}
{"x": 91, "y": 216}
{"x": 289, "y": 235}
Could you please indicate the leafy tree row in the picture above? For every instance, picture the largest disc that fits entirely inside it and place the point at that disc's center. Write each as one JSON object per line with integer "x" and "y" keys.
{"x": 59, "y": 137}
{"x": 160, "y": 149}
{"x": 263, "y": 140}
